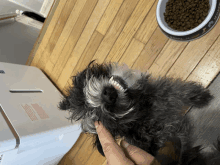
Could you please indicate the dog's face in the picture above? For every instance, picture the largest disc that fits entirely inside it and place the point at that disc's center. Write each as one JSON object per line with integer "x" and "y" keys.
{"x": 104, "y": 93}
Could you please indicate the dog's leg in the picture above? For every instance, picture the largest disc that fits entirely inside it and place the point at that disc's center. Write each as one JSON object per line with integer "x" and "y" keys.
{"x": 197, "y": 95}
{"x": 180, "y": 93}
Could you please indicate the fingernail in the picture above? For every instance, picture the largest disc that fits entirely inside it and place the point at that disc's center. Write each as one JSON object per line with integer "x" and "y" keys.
{"x": 125, "y": 144}
{"x": 96, "y": 124}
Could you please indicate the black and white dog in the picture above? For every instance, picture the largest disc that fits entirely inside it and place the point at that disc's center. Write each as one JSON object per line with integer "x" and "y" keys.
{"x": 145, "y": 111}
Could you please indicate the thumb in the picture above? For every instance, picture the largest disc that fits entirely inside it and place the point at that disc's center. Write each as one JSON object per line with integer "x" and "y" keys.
{"x": 136, "y": 154}
{"x": 111, "y": 149}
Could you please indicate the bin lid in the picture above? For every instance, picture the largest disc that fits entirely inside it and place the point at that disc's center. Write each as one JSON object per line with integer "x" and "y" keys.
{"x": 7, "y": 138}
{"x": 29, "y": 101}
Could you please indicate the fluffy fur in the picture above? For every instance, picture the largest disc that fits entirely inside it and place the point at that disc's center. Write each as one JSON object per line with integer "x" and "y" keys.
{"x": 145, "y": 111}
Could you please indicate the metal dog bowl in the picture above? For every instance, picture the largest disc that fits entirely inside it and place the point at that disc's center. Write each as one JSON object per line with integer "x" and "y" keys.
{"x": 195, "y": 33}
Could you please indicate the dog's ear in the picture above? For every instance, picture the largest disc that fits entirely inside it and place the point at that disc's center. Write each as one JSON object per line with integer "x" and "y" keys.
{"x": 75, "y": 100}
{"x": 64, "y": 104}
{"x": 170, "y": 154}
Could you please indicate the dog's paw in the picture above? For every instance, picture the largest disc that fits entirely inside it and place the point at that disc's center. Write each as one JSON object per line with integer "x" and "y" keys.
{"x": 201, "y": 99}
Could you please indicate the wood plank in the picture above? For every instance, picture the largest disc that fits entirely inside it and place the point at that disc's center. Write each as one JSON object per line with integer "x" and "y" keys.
{"x": 73, "y": 17}
{"x": 80, "y": 157}
{"x": 67, "y": 159}
{"x": 87, "y": 55}
{"x": 148, "y": 26}
{"x": 105, "y": 162}
{"x": 129, "y": 30}
{"x": 56, "y": 33}
{"x": 95, "y": 158}
{"x": 48, "y": 33}
{"x": 208, "y": 67}
{"x": 71, "y": 22}
{"x": 43, "y": 31}
{"x": 150, "y": 52}
{"x": 193, "y": 53}
{"x": 55, "y": 71}
{"x": 108, "y": 16}
{"x": 81, "y": 44}
{"x": 132, "y": 52}
{"x": 115, "y": 29}
{"x": 167, "y": 57}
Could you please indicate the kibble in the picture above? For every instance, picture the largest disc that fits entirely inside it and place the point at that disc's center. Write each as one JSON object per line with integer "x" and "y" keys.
{"x": 184, "y": 15}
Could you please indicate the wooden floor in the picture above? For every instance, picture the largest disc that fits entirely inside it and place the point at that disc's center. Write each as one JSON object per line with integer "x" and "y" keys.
{"x": 124, "y": 31}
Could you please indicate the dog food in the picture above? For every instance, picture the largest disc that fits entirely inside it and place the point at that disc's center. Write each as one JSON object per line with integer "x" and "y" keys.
{"x": 184, "y": 15}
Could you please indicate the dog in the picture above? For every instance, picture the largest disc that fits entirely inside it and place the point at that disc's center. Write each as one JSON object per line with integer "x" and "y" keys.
{"x": 146, "y": 111}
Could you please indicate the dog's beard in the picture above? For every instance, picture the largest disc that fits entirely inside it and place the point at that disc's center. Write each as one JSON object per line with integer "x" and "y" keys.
{"x": 93, "y": 91}
{"x": 87, "y": 124}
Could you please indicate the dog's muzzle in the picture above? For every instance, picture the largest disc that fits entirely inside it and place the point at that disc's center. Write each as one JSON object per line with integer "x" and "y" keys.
{"x": 109, "y": 95}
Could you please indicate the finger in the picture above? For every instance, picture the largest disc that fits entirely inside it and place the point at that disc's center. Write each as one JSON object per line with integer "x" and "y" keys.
{"x": 139, "y": 156}
{"x": 111, "y": 149}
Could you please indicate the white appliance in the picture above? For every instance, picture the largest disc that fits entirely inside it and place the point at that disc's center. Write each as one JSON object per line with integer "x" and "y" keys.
{"x": 33, "y": 131}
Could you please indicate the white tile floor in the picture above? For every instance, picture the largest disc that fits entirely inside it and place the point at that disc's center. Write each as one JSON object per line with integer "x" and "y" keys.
{"x": 7, "y": 7}
{"x": 38, "y": 6}
{"x": 17, "y": 39}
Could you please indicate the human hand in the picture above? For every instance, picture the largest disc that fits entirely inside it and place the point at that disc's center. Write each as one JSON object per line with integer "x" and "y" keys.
{"x": 125, "y": 155}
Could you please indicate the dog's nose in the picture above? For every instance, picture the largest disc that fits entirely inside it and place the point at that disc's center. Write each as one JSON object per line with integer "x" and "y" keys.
{"x": 109, "y": 95}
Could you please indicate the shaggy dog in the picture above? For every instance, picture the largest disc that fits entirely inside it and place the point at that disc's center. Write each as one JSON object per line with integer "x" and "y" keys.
{"x": 145, "y": 111}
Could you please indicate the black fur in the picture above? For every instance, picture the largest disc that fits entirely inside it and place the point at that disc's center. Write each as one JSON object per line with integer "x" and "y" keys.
{"x": 157, "y": 116}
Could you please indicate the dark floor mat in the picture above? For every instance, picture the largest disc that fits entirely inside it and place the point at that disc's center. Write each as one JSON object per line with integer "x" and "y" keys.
{"x": 207, "y": 120}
